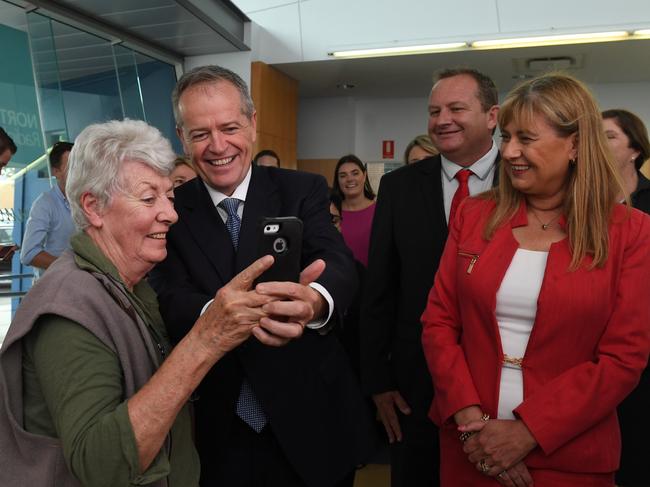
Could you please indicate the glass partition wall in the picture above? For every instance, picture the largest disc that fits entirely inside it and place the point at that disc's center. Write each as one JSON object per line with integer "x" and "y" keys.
{"x": 56, "y": 80}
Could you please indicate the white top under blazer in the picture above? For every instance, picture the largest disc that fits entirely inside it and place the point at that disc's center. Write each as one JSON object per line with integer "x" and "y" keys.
{"x": 516, "y": 308}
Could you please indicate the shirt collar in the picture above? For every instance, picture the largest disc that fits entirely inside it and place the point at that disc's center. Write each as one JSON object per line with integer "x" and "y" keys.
{"x": 480, "y": 168}
{"x": 239, "y": 193}
{"x": 59, "y": 194}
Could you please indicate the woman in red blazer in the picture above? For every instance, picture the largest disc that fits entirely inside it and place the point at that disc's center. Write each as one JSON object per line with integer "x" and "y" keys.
{"x": 538, "y": 317}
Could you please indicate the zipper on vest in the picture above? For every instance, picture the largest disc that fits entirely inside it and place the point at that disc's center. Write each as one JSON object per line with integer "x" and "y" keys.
{"x": 472, "y": 261}
{"x": 161, "y": 349}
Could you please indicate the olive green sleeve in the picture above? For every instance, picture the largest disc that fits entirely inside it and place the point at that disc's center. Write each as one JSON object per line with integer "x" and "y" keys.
{"x": 81, "y": 383}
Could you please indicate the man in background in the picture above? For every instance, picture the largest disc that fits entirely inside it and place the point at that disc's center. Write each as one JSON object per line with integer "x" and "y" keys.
{"x": 50, "y": 226}
{"x": 267, "y": 158}
{"x": 409, "y": 231}
{"x": 7, "y": 148}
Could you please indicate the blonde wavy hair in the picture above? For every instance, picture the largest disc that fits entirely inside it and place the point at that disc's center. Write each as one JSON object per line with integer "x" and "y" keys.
{"x": 593, "y": 180}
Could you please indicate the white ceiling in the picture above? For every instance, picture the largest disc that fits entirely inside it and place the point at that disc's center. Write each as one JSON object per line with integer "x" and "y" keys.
{"x": 410, "y": 76}
{"x": 177, "y": 28}
{"x": 296, "y": 35}
{"x": 84, "y": 34}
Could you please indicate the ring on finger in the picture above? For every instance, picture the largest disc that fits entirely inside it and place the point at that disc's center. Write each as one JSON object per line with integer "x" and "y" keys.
{"x": 503, "y": 474}
{"x": 483, "y": 466}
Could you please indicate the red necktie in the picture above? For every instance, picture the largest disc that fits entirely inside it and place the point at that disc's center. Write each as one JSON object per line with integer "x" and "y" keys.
{"x": 461, "y": 193}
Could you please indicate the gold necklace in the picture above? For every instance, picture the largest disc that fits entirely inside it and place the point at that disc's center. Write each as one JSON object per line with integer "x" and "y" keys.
{"x": 547, "y": 224}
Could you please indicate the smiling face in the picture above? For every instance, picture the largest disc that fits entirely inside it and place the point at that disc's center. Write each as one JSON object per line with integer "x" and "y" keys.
{"x": 216, "y": 134}
{"x": 132, "y": 229}
{"x": 619, "y": 143}
{"x": 458, "y": 126}
{"x": 536, "y": 157}
{"x": 351, "y": 179}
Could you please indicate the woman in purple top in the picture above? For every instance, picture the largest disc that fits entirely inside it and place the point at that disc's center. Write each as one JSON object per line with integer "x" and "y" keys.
{"x": 358, "y": 202}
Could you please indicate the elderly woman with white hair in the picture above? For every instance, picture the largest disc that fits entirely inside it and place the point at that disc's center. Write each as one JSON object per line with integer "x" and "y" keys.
{"x": 92, "y": 393}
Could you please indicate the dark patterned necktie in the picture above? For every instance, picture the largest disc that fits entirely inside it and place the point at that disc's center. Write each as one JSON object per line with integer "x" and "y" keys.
{"x": 248, "y": 406}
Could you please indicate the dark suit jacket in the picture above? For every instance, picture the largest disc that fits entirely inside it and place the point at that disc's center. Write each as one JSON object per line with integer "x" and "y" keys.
{"x": 307, "y": 389}
{"x": 641, "y": 196}
{"x": 408, "y": 236}
{"x": 633, "y": 411}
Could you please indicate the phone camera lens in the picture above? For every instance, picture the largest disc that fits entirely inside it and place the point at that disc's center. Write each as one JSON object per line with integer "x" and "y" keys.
{"x": 280, "y": 245}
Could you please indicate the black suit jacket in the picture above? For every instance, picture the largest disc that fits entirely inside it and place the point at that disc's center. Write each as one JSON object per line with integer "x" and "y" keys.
{"x": 408, "y": 236}
{"x": 633, "y": 411}
{"x": 307, "y": 389}
{"x": 641, "y": 196}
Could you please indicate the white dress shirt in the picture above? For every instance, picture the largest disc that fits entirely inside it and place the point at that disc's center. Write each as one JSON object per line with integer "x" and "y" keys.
{"x": 479, "y": 181}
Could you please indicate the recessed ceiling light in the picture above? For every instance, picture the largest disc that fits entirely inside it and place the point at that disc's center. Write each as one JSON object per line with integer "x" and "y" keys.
{"x": 555, "y": 40}
{"x": 397, "y": 51}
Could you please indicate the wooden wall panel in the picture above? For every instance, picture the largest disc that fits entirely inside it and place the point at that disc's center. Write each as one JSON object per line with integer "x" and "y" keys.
{"x": 324, "y": 167}
{"x": 276, "y": 100}
{"x": 285, "y": 148}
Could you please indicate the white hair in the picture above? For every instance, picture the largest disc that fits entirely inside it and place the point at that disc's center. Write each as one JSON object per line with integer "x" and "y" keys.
{"x": 98, "y": 154}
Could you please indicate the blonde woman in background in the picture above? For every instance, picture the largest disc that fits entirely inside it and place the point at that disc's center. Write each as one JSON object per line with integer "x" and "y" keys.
{"x": 182, "y": 172}
{"x": 419, "y": 148}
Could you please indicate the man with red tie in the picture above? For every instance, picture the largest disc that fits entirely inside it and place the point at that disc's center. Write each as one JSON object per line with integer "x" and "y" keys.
{"x": 414, "y": 206}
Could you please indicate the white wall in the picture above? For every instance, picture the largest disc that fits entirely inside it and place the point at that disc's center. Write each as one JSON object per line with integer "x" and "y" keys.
{"x": 630, "y": 96}
{"x": 326, "y": 127}
{"x": 331, "y": 127}
{"x": 306, "y": 30}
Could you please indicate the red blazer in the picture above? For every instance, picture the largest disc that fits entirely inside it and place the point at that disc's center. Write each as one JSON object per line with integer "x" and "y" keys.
{"x": 588, "y": 346}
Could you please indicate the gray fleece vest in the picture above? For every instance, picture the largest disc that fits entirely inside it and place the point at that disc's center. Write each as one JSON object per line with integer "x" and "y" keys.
{"x": 92, "y": 301}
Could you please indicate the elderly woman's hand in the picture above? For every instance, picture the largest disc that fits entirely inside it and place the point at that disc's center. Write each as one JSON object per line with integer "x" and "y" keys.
{"x": 293, "y": 304}
{"x": 236, "y": 311}
{"x": 498, "y": 444}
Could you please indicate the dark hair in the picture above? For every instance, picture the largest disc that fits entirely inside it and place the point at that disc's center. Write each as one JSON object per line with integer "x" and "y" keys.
{"x": 6, "y": 142}
{"x": 367, "y": 189}
{"x": 58, "y": 149}
{"x": 336, "y": 200}
{"x": 211, "y": 75}
{"x": 487, "y": 91}
{"x": 266, "y": 152}
{"x": 636, "y": 131}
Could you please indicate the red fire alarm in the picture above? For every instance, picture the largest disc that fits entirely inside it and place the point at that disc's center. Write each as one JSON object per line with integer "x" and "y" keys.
{"x": 388, "y": 149}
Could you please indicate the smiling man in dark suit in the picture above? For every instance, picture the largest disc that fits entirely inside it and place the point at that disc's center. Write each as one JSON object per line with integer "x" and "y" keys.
{"x": 292, "y": 415}
{"x": 409, "y": 231}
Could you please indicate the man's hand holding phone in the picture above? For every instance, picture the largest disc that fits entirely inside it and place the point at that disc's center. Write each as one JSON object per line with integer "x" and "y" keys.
{"x": 297, "y": 303}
